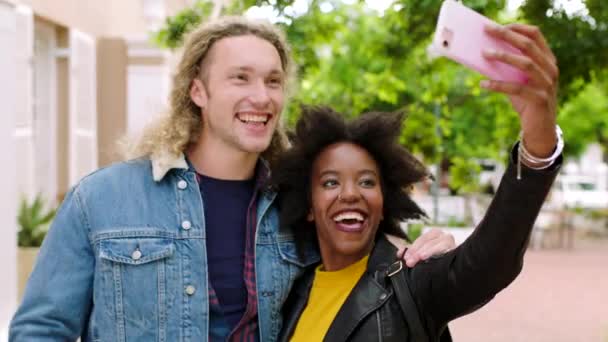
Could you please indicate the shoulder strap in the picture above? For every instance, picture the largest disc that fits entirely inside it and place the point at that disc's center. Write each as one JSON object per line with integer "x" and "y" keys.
{"x": 396, "y": 272}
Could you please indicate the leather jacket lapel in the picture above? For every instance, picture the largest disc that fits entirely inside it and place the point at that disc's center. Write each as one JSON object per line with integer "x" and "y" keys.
{"x": 365, "y": 298}
{"x": 296, "y": 303}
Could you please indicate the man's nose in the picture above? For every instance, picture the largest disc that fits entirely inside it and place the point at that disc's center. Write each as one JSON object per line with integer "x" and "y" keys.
{"x": 259, "y": 94}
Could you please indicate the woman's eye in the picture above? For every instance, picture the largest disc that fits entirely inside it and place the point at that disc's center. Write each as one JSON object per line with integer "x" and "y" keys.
{"x": 329, "y": 183}
{"x": 368, "y": 183}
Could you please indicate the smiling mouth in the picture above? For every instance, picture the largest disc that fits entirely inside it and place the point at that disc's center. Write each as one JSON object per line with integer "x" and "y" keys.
{"x": 350, "y": 221}
{"x": 254, "y": 118}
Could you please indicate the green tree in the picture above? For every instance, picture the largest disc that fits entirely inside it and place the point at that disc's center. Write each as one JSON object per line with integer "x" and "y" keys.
{"x": 175, "y": 29}
{"x": 356, "y": 59}
{"x": 579, "y": 40}
{"x": 585, "y": 116}
{"x": 580, "y": 43}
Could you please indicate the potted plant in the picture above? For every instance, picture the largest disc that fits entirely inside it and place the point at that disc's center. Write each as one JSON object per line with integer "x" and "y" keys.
{"x": 33, "y": 220}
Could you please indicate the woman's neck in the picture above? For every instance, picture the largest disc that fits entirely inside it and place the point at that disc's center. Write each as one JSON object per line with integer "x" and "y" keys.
{"x": 335, "y": 261}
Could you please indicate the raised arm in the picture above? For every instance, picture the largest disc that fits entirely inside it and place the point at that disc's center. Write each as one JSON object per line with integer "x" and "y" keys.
{"x": 492, "y": 257}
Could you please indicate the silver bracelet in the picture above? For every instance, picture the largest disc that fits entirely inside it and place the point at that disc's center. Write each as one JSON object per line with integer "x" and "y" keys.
{"x": 523, "y": 154}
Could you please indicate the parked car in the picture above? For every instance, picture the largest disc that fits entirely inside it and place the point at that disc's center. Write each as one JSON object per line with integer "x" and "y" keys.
{"x": 571, "y": 191}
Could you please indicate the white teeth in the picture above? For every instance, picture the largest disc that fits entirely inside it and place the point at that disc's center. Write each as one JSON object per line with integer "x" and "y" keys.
{"x": 254, "y": 118}
{"x": 350, "y": 215}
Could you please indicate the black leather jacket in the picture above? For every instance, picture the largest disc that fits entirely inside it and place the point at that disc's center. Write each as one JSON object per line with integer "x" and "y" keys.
{"x": 444, "y": 287}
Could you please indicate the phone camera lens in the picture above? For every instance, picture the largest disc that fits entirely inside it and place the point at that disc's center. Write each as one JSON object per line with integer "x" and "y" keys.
{"x": 445, "y": 43}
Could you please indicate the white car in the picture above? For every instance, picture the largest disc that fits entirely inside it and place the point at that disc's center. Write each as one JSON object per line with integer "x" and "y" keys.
{"x": 577, "y": 191}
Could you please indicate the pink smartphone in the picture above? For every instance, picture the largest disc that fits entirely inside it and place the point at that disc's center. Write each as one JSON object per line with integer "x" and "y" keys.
{"x": 460, "y": 36}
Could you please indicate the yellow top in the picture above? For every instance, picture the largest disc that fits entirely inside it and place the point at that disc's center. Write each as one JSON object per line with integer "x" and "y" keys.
{"x": 328, "y": 293}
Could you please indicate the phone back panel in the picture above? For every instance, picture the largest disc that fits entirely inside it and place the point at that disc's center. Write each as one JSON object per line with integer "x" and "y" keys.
{"x": 460, "y": 36}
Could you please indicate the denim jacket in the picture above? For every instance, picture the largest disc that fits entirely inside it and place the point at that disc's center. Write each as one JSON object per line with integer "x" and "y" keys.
{"x": 125, "y": 260}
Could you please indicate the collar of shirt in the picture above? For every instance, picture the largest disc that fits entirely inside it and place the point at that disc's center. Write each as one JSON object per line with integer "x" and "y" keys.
{"x": 162, "y": 163}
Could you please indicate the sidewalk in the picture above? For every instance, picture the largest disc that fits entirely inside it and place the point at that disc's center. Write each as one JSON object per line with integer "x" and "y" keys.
{"x": 560, "y": 296}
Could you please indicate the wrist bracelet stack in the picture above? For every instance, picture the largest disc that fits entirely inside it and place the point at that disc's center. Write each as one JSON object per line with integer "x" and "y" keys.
{"x": 524, "y": 155}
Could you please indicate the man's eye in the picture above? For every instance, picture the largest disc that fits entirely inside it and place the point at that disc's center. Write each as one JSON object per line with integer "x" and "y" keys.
{"x": 240, "y": 77}
{"x": 275, "y": 82}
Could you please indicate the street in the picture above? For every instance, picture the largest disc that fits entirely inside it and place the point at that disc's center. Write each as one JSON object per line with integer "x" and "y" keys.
{"x": 560, "y": 296}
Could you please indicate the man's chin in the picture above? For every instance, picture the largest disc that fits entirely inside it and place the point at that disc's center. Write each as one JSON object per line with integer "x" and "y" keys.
{"x": 256, "y": 147}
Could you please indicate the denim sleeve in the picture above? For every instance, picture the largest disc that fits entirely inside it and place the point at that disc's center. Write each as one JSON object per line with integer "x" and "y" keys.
{"x": 57, "y": 299}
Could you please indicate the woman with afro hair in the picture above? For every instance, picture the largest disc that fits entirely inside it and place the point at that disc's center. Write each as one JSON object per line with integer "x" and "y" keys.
{"x": 345, "y": 184}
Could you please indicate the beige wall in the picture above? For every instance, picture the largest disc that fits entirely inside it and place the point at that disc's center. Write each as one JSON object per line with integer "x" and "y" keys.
{"x": 87, "y": 16}
{"x": 124, "y": 18}
{"x": 112, "y": 63}
{"x": 9, "y": 194}
{"x": 111, "y": 18}
{"x": 119, "y": 27}
{"x": 127, "y": 16}
{"x": 63, "y": 110}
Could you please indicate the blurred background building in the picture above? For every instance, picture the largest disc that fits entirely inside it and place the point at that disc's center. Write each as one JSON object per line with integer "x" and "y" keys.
{"x": 76, "y": 76}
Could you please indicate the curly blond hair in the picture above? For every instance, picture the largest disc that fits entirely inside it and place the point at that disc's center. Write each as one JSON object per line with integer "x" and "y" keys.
{"x": 172, "y": 133}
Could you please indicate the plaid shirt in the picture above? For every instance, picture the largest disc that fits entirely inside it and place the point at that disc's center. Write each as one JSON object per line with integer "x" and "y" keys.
{"x": 247, "y": 328}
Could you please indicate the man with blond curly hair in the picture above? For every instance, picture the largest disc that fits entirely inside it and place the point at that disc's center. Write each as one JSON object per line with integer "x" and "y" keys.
{"x": 182, "y": 243}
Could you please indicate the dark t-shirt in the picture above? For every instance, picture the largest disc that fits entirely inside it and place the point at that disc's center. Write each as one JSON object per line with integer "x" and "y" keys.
{"x": 225, "y": 206}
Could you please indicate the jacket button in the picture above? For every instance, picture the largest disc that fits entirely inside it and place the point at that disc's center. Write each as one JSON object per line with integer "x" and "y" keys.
{"x": 190, "y": 290}
{"x": 136, "y": 255}
{"x": 383, "y": 296}
{"x": 186, "y": 225}
{"x": 182, "y": 184}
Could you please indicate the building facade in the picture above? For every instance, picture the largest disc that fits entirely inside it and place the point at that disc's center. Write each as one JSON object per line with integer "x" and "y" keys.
{"x": 76, "y": 76}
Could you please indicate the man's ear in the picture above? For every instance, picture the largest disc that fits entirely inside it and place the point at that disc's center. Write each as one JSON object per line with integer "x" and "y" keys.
{"x": 198, "y": 93}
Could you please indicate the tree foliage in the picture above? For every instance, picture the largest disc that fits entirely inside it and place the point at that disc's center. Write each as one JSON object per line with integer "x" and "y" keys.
{"x": 357, "y": 59}
{"x": 579, "y": 40}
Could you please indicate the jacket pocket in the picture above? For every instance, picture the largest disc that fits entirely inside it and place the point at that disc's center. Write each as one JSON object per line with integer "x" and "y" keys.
{"x": 132, "y": 251}
{"x": 138, "y": 274}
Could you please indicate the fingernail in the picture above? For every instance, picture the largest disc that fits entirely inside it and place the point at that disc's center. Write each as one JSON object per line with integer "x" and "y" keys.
{"x": 489, "y": 52}
{"x": 492, "y": 27}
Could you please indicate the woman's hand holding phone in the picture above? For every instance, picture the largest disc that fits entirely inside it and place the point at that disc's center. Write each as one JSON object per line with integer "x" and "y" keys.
{"x": 517, "y": 60}
{"x": 536, "y": 100}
